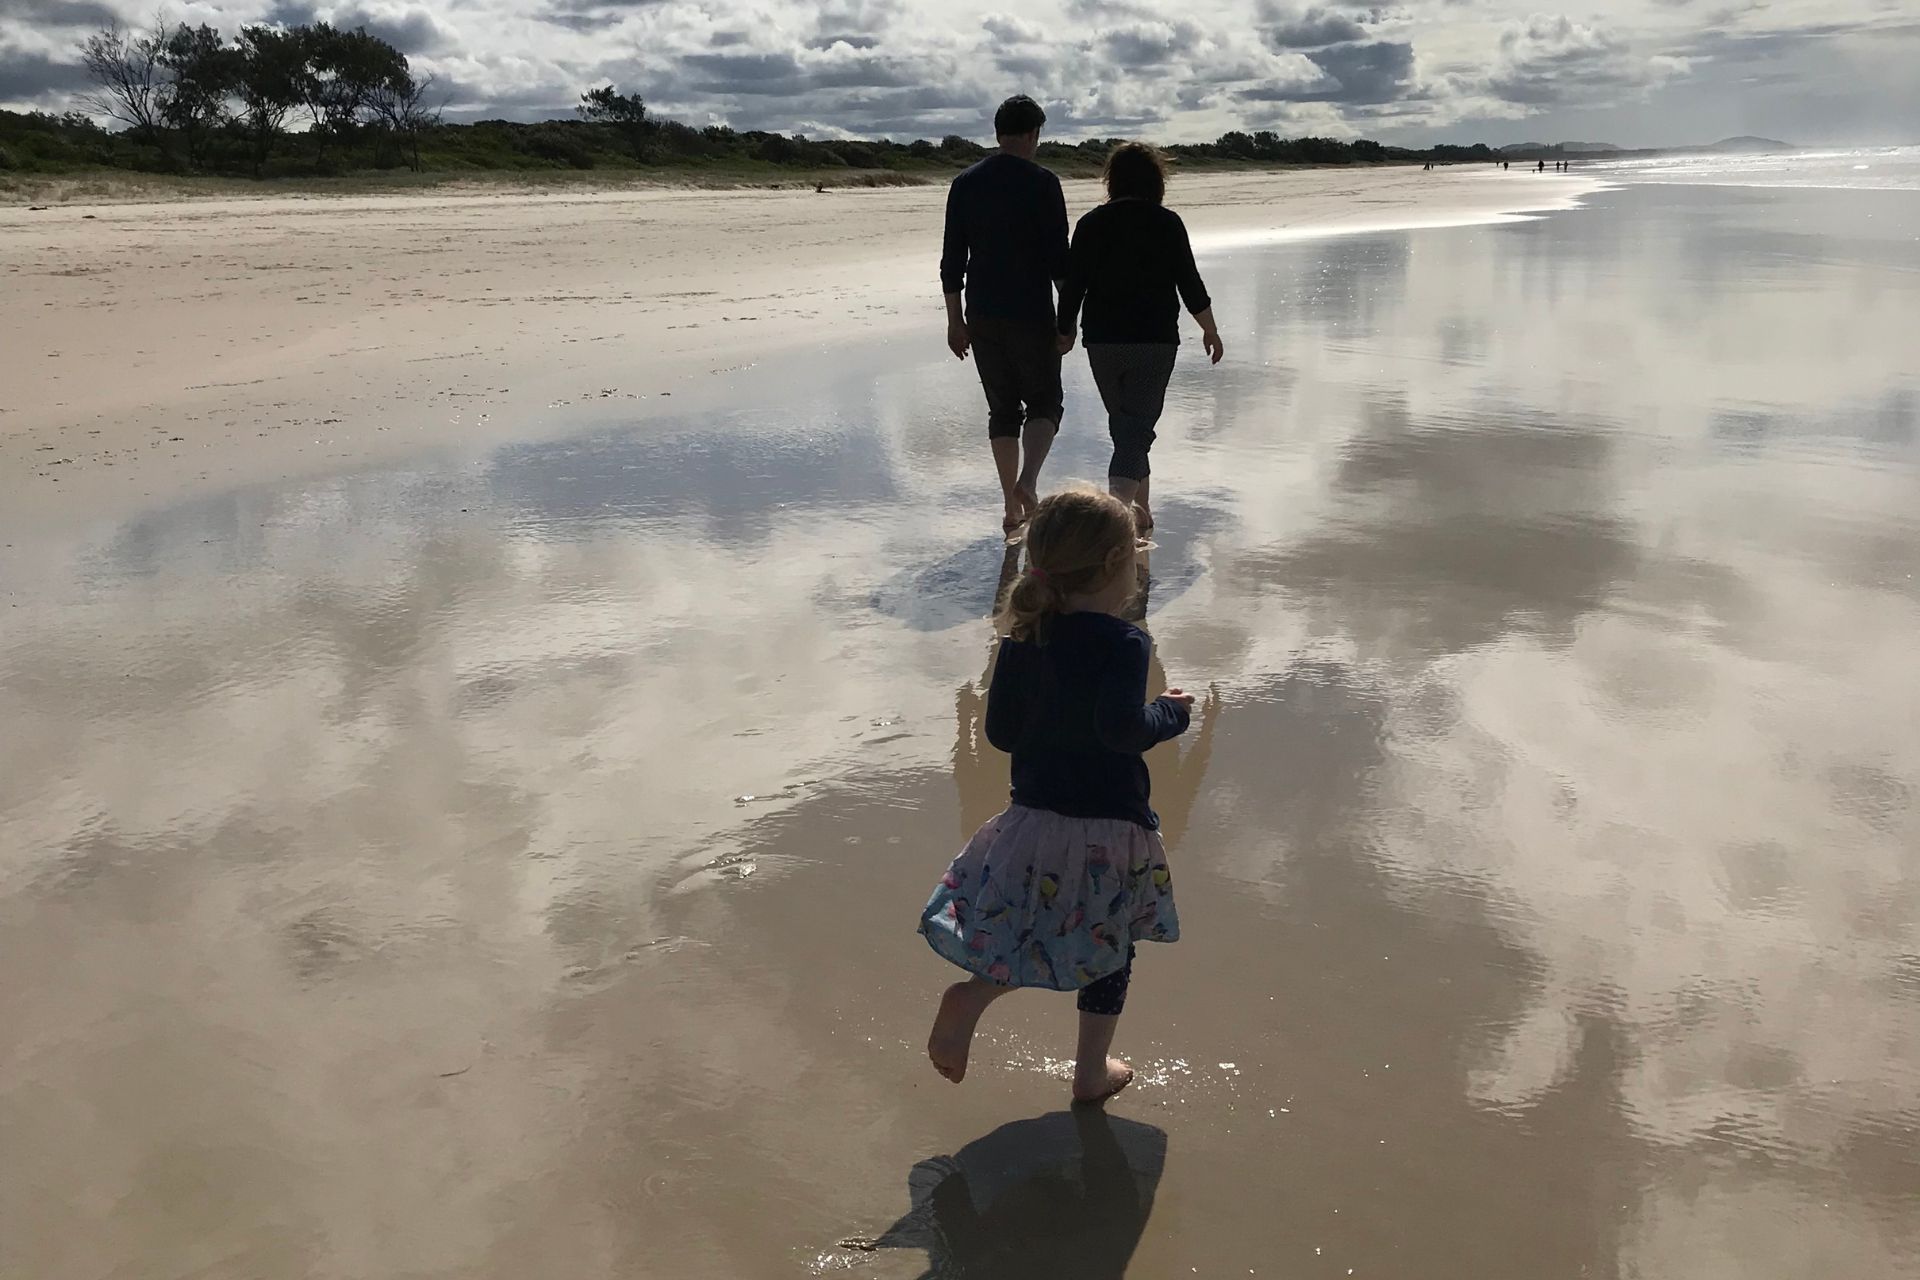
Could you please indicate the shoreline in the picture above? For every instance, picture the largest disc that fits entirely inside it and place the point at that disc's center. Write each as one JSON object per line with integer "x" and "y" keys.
{"x": 159, "y": 352}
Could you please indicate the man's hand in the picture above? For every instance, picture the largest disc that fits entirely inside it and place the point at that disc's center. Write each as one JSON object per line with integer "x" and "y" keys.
{"x": 1180, "y": 697}
{"x": 1066, "y": 342}
{"x": 1215, "y": 348}
{"x": 959, "y": 341}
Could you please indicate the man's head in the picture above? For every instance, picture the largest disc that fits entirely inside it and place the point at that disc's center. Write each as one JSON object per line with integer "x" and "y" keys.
{"x": 1017, "y": 125}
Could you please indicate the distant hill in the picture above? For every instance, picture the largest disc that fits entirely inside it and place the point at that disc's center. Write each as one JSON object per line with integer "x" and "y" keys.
{"x": 1589, "y": 148}
{"x": 1747, "y": 143}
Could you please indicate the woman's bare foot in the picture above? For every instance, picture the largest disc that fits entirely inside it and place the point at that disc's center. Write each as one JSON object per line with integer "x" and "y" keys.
{"x": 952, "y": 1038}
{"x": 1099, "y": 1085}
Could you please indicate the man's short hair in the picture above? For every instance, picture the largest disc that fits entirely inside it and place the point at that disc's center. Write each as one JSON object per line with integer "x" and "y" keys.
{"x": 1017, "y": 116}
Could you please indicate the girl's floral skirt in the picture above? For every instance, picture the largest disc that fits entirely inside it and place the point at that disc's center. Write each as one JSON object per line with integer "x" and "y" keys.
{"x": 1041, "y": 900}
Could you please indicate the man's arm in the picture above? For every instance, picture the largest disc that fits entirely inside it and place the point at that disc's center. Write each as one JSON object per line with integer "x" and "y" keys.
{"x": 953, "y": 276}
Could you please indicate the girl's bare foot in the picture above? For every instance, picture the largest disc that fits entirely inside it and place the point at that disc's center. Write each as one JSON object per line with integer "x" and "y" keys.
{"x": 952, "y": 1038}
{"x": 1101, "y": 1084}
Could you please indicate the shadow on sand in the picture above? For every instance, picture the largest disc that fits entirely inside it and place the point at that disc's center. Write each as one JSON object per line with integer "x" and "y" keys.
{"x": 1063, "y": 1196}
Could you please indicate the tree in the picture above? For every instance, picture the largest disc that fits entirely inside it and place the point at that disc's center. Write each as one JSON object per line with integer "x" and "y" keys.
{"x": 343, "y": 71}
{"x": 401, "y": 109}
{"x": 626, "y": 112}
{"x": 126, "y": 67}
{"x": 202, "y": 70}
{"x": 270, "y": 74}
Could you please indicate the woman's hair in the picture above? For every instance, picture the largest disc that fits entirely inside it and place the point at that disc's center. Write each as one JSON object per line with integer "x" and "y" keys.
{"x": 1135, "y": 171}
{"x": 1077, "y": 542}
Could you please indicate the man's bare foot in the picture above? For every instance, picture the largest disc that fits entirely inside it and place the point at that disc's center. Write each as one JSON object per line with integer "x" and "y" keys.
{"x": 952, "y": 1038}
{"x": 1100, "y": 1085}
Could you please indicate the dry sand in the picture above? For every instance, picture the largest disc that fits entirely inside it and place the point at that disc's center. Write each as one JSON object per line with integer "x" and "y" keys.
{"x": 150, "y": 351}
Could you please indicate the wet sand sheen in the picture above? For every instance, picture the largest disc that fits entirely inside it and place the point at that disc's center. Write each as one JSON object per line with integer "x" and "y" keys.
{"x": 511, "y": 870}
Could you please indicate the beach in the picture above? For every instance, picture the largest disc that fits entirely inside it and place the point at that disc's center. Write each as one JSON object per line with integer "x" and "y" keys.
{"x": 150, "y": 350}
{"x": 483, "y": 836}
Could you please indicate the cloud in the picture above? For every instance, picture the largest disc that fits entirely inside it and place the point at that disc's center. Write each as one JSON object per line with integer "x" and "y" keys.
{"x": 1308, "y": 28}
{"x": 1150, "y": 44}
{"x": 26, "y": 77}
{"x": 1365, "y": 73}
{"x": 1551, "y": 60}
{"x": 1179, "y": 70}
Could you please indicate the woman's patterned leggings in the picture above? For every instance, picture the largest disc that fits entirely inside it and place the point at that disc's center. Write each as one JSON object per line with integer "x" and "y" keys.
{"x": 1108, "y": 996}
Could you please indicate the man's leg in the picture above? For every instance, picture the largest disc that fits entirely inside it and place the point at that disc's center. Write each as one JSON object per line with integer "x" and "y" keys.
{"x": 1006, "y": 461}
{"x": 1036, "y": 441}
{"x": 1000, "y": 379}
{"x": 1040, "y": 379}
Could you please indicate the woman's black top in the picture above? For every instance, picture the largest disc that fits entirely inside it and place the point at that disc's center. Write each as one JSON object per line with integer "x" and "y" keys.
{"x": 1131, "y": 265}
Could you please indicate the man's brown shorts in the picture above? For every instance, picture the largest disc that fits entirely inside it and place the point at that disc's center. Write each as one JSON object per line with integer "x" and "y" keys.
{"x": 1019, "y": 365}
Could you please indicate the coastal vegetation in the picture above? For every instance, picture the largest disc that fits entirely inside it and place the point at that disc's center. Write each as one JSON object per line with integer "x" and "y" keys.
{"x": 318, "y": 102}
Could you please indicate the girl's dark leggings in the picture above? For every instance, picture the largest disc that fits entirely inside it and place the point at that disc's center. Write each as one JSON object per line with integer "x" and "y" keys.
{"x": 1108, "y": 995}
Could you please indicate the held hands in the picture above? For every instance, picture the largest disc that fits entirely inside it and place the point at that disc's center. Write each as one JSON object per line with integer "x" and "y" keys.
{"x": 959, "y": 341}
{"x": 1215, "y": 348}
{"x": 1066, "y": 342}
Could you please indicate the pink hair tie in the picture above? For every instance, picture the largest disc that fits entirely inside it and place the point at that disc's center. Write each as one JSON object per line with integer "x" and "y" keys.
{"x": 1039, "y": 574}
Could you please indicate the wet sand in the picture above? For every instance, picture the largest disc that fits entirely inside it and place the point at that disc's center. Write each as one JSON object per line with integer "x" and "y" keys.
{"x": 149, "y": 352}
{"x": 506, "y": 863}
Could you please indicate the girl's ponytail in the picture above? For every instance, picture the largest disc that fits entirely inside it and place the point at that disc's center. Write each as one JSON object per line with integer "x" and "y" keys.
{"x": 1076, "y": 542}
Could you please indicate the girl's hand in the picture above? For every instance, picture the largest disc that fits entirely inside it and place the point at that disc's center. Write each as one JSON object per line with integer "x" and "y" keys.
{"x": 1215, "y": 348}
{"x": 1179, "y": 696}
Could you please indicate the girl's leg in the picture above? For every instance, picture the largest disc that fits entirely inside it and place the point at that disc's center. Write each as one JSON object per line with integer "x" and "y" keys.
{"x": 1097, "y": 1075}
{"x": 960, "y": 1010}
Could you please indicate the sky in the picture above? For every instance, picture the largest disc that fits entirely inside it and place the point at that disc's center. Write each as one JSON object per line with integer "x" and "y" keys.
{"x": 1632, "y": 72}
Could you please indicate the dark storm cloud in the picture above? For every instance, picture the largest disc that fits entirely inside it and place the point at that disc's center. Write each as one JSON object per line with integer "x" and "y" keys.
{"x": 59, "y": 13}
{"x": 25, "y": 77}
{"x": 1308, "y": 28}
{"x": 1364, "y": 73}
{"x": 413, "y": 30}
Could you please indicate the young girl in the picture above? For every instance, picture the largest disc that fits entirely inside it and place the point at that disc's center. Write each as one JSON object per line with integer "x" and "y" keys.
{"x": 1056, "y": 890}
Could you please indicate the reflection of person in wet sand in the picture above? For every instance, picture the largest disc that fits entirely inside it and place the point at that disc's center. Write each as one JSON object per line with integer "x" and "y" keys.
{"x": 1055, "y": 891}
{"x": 1005, "y": 246}
{"x": 1131, "y": 266}
{"x": 1015, "y": 1204}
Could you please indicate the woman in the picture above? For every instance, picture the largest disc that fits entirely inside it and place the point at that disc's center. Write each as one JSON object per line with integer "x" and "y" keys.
{"x": 1131, "y": 266}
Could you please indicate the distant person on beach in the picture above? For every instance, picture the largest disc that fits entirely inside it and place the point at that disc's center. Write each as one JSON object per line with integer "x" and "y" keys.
{"x": 1131, "y": 266}
{"x": 1055, "y": 891}
{"x": 1006, "y": 247}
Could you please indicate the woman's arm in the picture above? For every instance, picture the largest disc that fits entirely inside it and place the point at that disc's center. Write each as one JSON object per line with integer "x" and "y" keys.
{"x": 1123, "y": 719}
{"x": 1193, "y": 291}
{"x": 1073, "y": 290}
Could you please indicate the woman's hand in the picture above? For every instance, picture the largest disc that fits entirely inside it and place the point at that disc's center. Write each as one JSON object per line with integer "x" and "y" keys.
{"x": 1066, "y": 342}
{"x": 1215, "y": 348}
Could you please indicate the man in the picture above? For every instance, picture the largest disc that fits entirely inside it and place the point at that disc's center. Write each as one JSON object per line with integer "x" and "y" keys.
{"x": 1006, "y": 247}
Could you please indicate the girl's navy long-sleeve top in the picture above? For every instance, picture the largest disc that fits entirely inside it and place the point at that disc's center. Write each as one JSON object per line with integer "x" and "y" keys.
{"x": 1131, "y": 266}
{"x": 1073, "y": 713}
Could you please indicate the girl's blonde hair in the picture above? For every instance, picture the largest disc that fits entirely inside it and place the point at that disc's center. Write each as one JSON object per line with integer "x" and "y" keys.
{"x": 1077, "y": 543}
